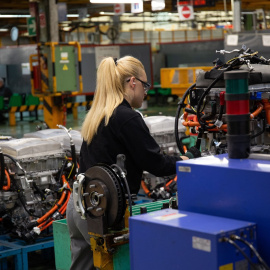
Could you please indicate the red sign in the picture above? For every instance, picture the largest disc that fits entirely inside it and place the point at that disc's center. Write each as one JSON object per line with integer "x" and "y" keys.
{"x": 119, "y": 9}
{"x": 186, "y": 12}
{"x": 42, "y": 20}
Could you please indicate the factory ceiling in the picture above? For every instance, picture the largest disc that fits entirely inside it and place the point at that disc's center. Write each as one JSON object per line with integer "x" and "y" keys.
{"x": 21, "y": 7}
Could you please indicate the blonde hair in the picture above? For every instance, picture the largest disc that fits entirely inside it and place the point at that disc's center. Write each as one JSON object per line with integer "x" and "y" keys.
{"x": 110, "y": 91}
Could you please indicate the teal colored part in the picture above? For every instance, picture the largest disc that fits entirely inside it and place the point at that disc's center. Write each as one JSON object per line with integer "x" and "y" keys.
{"x": 161, "y": 91}
{"x": 15, "y": 100}
{"x": 151, "y": 92}
{"x": 190, "y": 141}
{"x": 31, "y": 100}
{"x": 121, "y": 260}
{"x": 164, "y": 91}
{"x": 61, "y": 245}
{"x": 1, "y": 102}
{"x": 239, "y": 86}
{"x": 151, "y": 206}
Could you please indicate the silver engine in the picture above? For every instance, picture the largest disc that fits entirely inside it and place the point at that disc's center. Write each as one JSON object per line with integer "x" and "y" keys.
{"x": 35, "y": 188}
{"x": 162, "y": 129}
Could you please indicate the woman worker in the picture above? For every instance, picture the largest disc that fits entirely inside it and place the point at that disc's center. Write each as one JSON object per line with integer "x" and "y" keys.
{"x": 113, "y": 127}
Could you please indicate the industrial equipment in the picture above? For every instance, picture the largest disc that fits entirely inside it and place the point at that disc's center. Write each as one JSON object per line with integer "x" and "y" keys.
{"x": 180, "y": 240}
{"x": 101, "y": 196}
{"x": 232, "y": 185}
{"x": 231, "y": 188}
{"x": 162, "y": 129}
{"x": 206, "y": 104}
{"x": 34, "y": 184}
{"x": 54, "y": 78}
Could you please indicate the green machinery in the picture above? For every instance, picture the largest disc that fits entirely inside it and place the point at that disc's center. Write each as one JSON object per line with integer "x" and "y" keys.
{"x": 56, "y": 75}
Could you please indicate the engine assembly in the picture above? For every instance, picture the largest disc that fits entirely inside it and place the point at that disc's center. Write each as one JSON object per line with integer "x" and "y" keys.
{"x": 206, "y": 104}
{"x": 162, "y": 130}
{"x": 34, "y": 184}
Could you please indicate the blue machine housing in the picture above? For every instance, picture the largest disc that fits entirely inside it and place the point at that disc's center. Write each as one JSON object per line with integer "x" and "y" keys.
{"x": 231, "y": 188}
{"x": 172, "y": 239}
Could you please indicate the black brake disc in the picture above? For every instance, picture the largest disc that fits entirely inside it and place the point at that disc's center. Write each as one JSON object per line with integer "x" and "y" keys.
{"x": 104, "y": 194}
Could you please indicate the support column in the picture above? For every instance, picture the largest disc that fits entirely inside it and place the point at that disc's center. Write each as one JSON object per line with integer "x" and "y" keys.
{"x": 264, "y": 19}
{"x": 236, "y": 9}
{"x": 48, "y": 17}
{"x": 53, "y": 22}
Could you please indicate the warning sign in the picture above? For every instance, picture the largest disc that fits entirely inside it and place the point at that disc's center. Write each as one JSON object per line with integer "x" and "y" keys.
{"x": 185, "y": 12}
{"x": 64, "y": 57}
{"x": 65, "y": 67}
{"x": 119, "y": 9}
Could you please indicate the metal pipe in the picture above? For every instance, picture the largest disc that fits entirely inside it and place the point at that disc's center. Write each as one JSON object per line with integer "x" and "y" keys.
{"x": 236, "y": 9}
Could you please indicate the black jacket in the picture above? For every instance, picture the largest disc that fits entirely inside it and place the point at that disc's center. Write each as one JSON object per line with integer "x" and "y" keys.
{"x": 127, "y": 134}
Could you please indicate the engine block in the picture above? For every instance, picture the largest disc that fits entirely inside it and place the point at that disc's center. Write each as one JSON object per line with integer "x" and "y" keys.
{"x": 32, "y": 184}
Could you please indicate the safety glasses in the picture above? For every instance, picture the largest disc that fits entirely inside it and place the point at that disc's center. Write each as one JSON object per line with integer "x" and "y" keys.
{"x": 146, "y": 85}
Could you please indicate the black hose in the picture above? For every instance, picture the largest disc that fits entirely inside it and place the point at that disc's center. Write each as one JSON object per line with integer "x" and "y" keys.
{"x": 199, "y": 138}
{"x": 235, "y": 237}
{"x": 39, "y": 191}
{"x": 12, "y": 158}
{"x": 74, "y": 160}
{"x": 204, "y": 95}
{"x": 260, "y": 132}
{"x": 212, "y": 114}
{"x": 15, "y": 161}
{"x": 179, "y": 108}
{"x": 181, "y": 139}
{"x": 221, "y": 111}
{"x": 241, "y": 251}
{"x": 2, "y": 173}
{"x": 122, "y": 174}
{"x": 62, "y": 170}
{"x": 20, "y": 196}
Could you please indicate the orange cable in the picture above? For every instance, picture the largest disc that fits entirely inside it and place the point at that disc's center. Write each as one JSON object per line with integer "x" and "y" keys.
{"x": 7, "y": 187}
{"x": 145, "y": 189}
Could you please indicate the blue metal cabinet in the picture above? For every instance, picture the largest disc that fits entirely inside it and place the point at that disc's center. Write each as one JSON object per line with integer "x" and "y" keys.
{"x": 232, "y": 188}
{"x": 172, "y": 239}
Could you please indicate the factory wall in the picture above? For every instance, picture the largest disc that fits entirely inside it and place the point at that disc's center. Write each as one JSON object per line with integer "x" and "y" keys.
{"x": 188, "y": 54}
{"x": 170, "y": 55}
{"x": 255, "y": 41}
{"x": 14, "y": 61}
{"x": 173, "y": 54}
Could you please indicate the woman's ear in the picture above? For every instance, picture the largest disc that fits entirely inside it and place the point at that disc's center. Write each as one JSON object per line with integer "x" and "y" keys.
{"x": 132, "y": 82}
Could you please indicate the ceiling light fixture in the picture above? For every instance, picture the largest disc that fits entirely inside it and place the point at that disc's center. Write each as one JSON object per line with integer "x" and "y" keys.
{"x": 72, "y": 15}
{"x": 13, "y": 16}
{"x": 113, "y": 1}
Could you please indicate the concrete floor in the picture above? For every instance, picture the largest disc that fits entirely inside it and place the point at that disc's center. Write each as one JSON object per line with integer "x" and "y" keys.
{"x": 30, "y": 124}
